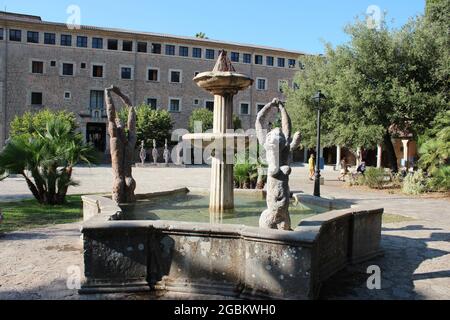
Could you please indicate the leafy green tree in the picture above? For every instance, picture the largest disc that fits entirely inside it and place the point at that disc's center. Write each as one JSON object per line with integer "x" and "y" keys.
{"x": 46, "y": 159}
{"x": 434, "y": 150}
{"x": 150, "y": 124}
{"x": 381, "y": 79}
{"x": 206, "y": 118}
{"x": 30, "y": 123}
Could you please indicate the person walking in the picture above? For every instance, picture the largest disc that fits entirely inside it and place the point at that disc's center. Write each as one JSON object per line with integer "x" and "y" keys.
{"x": 344, "y": 170}
{"x": 312, "y": 165}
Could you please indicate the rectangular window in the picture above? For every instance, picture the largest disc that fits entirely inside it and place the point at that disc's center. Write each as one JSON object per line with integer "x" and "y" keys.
{"x": 33, "y": 37}
{"x": 183, "y": 51}
{"x": 261, "y": 84}
{"x": 15, "y": 35}
{"x": 53, "y": 63}
{"x": 97, "y": 43}
{"x": 281, "y": 62}
{"x": 258, "y": 59}
{"x": 37, "y": 67}
{"x": 127, "y": 46}
{"x": 82, "y": 42}
{"x": 259, "y": 107}
{"x": 209, "y": 105}
{"x": 1, "y": 33}
{"x": 244, "y": 109}
{"x": 153, "y": 75}
{"x": 49, "y": 38}
{"x": 174, "y": 105}
{"x": 66, "y": 40}
{"x": 247, "y": 58}
{"x": 83, "y": 65}
{"x": 235, "y": 56}
{"x": 210, "y": 54}
{"x": 170, "y": 50}
{"x": 126, "y": 73}
{"x": 152, "y": 103}
{"x": 97, "y": 71}
{"x": 67, "y": 95}
{"x": 113, "y": 44}
{"x": 175, "y": 76}
{"x": 142, "y": 47}
{"x": 292, "y": 63}
{"x": 269, "y": 61}
{"x": 196, "y": 52}
{"x": 156, "y": 48}
{"x": 36, "y": 98}
{"x": 67, "y": 69}
{"x": 97, "y": 99}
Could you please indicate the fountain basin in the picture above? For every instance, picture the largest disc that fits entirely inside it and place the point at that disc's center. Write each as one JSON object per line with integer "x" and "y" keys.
{"x": 221, "y": 259}
{"x": 220, "y": 82}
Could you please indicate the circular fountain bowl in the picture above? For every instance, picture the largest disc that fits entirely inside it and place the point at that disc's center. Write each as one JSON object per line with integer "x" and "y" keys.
{"x": 220, "y": 82}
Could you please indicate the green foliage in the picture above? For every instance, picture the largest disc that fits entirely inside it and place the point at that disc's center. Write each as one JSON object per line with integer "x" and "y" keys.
{"x": 434, "y": 145}
{"x": 30, "y": 123}
{"x": 150, "y": 124}
{"x": 375, "y": 178}
{"x": 440, "y": 181}
{"x": 249, "y": 172}
{"x": 415, "y": 184}
{"x": 46, "y": 160}
{"x": 378, "y": 79}
{"x": 206, "y": 118}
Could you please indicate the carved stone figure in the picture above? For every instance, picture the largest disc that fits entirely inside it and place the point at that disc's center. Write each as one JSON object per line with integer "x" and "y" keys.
{"x": 155, "y": 153}
{"x": 166, "y": 154}
{"x": 278, "y": 145}
{"x": 143, "y": 154}
{"x": 123, "y": 143}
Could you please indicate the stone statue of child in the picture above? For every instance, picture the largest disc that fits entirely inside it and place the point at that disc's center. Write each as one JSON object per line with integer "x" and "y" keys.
{"x": 166, "y": 154}
{"x": 143, "y": 154}
{"x": 155, "y": 153}
{"x": 278, "y": 145}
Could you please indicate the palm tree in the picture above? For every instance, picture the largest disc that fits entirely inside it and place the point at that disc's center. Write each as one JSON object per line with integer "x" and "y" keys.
{"x": 46, "y": 160}
{"x": 201, "y": 35}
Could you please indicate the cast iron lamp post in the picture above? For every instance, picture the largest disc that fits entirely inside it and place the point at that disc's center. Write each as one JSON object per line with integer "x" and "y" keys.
{"x": 318, "y": 98}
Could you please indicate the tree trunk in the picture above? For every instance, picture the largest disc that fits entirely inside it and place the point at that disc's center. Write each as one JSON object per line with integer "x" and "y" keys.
{"x": 33, "y": 189}
{"x": 391, "y": 152}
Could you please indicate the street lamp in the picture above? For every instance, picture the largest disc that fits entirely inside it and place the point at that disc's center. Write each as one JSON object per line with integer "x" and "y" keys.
{"x": 318, "y": 98}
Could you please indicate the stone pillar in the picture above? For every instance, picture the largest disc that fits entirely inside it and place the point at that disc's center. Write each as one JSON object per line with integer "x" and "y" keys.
{"x": 405, "y": 152}
{"x": 338, "y": 157}
{"x": 358, "y": 156}
{"x": 305, "y": 156}
{"x": 222, "y": 175}
{"x": 379, "y": 156}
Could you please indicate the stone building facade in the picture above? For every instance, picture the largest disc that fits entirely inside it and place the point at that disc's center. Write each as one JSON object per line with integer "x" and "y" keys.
{"x": 47, "y": 64}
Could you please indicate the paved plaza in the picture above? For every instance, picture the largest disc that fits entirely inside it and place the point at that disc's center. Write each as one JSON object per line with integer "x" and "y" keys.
{"x": 416, "y": 264}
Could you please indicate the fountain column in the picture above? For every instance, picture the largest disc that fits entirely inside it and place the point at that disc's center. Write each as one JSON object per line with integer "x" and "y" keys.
{"x": 224, "y": 83}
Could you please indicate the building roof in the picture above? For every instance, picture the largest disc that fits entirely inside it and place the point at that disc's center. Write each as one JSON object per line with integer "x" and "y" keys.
{"x": 17, "y": 17}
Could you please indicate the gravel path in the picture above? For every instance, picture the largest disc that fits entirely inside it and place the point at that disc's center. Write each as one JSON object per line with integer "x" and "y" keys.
{"x": 35, "y": 264}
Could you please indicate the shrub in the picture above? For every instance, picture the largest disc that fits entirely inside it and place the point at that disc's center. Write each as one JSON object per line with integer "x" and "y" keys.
{"x": 415, "y": 184}
{"x": 150, "y": 124}
{"x": 46, "y": 160}
{"x": 30, "y": 123}
{"x": 375, "y": 178}
{"x": 440, "y": 181}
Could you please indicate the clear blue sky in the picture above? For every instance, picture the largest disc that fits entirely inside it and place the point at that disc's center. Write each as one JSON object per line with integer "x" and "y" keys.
{"x": 290, "y": 24}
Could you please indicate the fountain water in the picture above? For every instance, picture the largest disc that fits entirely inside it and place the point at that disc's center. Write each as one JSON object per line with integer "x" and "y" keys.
{"x": 224, "y": 83}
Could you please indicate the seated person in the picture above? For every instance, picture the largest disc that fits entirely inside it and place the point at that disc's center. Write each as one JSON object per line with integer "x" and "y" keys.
{"x": 362, "y": 168}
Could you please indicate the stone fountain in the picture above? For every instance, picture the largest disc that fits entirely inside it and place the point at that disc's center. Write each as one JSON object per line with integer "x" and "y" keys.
{"x": 122, "y": 254}
{"x": 224, "y": 83}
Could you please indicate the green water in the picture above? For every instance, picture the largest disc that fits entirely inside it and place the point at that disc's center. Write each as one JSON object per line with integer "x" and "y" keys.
{"x": 194, "y": 208}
